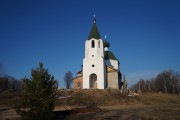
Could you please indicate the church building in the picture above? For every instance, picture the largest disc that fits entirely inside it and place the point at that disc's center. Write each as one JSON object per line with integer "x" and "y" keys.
{"x": 100, "y": 69}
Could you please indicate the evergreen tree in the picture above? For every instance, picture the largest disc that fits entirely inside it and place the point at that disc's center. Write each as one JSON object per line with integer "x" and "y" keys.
{"x": 38, "y": 95}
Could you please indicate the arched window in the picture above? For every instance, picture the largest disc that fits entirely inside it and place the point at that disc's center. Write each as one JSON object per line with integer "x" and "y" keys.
{"x": 92, "y": 44}
{"x": 99, "y": 43}
{"x": 93, "y": 81}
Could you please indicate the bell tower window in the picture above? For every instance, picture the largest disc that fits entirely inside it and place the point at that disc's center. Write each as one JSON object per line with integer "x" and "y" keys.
{"x": 99, "y": 43}
{"x": 92, "y": 44}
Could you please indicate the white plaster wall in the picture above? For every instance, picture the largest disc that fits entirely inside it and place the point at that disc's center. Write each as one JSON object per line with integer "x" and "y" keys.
{"x": 98, "y": 69}
{"x": 96, "y": 51}
{"x": 86, "y": 49}
{"x": 113, "y": 63}
{"x": 100, "y": 73}
{"x": 101, "y": 49}
{"x": 97, "y": 60}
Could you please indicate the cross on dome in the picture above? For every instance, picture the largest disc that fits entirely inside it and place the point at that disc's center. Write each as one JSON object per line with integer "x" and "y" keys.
{"x": 105, "y": 37}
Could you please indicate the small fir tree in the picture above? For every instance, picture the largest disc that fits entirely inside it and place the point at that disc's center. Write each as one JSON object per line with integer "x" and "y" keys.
{"x": 38, "y": 95}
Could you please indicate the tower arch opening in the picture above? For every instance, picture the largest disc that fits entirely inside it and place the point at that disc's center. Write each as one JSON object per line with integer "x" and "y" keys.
{"x": 93, "y": 81}
{"x": 92, "y": 44}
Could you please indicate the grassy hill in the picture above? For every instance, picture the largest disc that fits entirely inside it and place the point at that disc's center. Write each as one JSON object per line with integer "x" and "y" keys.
{"x": 145, "y": 106}
{"x": 113, "y": 105}
{"x": 110, "y": 97}
{"x": 9, "y": 98}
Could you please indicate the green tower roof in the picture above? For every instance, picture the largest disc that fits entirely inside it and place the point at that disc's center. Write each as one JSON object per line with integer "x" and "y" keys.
{"x": 94, "y": 31}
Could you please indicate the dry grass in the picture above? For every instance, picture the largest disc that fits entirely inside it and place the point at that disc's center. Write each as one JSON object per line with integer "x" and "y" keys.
{"x": 114, "y": 106}
{"x": 114, "y": 97}
{"x": 166, "y": 112}
{"x": 156, "y": 99}
{"x": 95, "y": 97}
{"x": 9, "y": 98}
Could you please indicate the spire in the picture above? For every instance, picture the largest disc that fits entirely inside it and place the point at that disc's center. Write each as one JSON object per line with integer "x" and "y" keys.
{"x": 94, "y": 20}
{"x": 94, "y": 31}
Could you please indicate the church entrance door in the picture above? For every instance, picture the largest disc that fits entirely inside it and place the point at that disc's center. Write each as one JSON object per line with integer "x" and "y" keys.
{"x": 93, "y": 81}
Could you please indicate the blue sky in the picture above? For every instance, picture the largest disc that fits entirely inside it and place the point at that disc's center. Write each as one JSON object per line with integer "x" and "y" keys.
{"x": 144, "y": 35}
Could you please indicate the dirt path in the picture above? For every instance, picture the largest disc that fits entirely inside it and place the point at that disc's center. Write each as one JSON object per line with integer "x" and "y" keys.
{"x": 123, "y": 112}
{"x": 9, "y": 114}
{"x": 158, "y": 112}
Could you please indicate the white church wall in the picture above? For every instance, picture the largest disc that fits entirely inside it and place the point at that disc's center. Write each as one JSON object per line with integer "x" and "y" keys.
{"x": 86, "y": 49}
{"x": 101, "y": 48}
{"x": 101, "y": 73}
{"x": 113, "y": 63}
{"x": 98, "y": 69}
{"x": 94, "y": 63}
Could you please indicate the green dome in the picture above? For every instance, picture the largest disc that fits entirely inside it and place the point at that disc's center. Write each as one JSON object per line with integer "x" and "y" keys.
{"x": 109, "y": 55}
{"x": 106, "y": 44}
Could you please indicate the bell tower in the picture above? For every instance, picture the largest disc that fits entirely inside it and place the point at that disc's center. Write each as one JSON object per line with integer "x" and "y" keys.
{"x": 93, "y": 63}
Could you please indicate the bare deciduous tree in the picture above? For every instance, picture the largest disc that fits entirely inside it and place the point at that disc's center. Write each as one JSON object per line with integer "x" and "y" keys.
{"x": 2, "y": 71}
{"x": 167, "y": 81}
{"x": 124, "y": 86}
{"x": 68, "y": 79}
{"x": 3, "y": 83}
